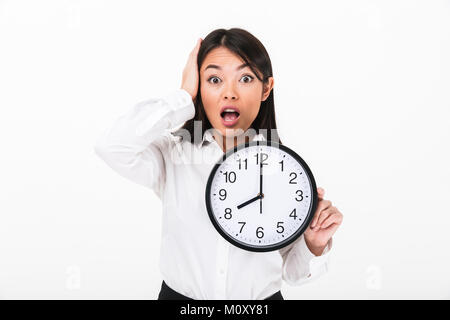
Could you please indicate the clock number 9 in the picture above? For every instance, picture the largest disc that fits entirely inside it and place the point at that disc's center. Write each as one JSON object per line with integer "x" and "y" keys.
{"x": 260, "y": 233}
{"x": 230, "y": 176}
{"x": 301, "y": 195}
{"x": 222, "y": 194}
{"x": 227, "y": 214}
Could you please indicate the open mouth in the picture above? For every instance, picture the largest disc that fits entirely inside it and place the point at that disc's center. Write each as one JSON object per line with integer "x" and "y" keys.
{"x": 229, "y": 115}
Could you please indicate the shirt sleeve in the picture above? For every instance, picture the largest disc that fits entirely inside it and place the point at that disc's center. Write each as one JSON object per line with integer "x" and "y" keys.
{"x": 300, "y": 265}
{"x": 135, "y": 143}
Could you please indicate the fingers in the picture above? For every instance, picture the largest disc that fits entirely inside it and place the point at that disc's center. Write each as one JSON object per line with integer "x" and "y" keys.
{"x": 192, "y": 59}
{"x": 196, "y": 48}
{"x": 323, "y": 204}
{"x": 324, "y": 215}
{"x": 335, "y": 218}
{"x": 190, "y": 76}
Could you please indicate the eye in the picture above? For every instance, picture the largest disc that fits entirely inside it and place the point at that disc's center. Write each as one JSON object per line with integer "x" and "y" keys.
{"x": 248, "y": 76}
{"x": 213, "y": 77}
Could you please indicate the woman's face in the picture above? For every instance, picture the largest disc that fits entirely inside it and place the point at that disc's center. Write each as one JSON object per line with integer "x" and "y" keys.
{"x": 224, "y": 81}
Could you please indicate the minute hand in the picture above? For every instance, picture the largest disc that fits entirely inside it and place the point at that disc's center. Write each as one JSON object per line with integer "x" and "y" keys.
{"x": 260, "y": 184}
{"x": 260, "y": 178}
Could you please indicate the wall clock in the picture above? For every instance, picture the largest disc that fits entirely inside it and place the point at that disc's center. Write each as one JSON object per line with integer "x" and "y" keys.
{"x": 261, "y": 196}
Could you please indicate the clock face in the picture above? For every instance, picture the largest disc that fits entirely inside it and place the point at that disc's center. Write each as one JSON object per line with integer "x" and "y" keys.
{"x": 261, "y": 196}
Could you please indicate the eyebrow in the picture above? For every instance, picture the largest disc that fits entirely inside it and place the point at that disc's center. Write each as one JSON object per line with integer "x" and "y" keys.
{"x": 213, "y": 66}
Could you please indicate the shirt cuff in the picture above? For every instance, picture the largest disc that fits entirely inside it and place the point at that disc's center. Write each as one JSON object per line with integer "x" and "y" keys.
{"x": 309, "y": 257}
{"x": 182, "y": 107}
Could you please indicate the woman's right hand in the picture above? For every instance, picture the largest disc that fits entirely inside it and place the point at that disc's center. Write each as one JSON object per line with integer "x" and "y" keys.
{"x": 190, "y": 73}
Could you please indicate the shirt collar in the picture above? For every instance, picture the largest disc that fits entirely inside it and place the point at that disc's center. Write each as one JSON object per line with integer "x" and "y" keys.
{"x": 208, "y": 137}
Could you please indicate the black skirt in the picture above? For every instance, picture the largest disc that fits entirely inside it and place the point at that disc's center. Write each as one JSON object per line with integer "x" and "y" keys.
{"x": 168, "y": 293}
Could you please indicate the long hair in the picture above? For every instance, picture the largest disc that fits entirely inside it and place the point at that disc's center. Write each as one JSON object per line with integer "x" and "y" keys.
{"x": 251, "y": 50}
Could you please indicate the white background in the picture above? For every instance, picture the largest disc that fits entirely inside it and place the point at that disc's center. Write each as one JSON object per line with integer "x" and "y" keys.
{"x": 361, "y": 93}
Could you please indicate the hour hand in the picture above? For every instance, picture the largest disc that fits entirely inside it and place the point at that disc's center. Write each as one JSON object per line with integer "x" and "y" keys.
{"x": 249, "y": 201}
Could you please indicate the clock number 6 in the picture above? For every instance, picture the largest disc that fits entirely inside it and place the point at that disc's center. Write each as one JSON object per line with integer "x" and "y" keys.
{"x": 260, "y": 233}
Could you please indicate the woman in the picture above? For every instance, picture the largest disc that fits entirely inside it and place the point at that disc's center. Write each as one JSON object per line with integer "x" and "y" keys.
{"x": 225, "y": 97}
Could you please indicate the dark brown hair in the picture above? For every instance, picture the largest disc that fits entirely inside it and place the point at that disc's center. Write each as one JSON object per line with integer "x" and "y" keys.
{"x": 251, "y": 50}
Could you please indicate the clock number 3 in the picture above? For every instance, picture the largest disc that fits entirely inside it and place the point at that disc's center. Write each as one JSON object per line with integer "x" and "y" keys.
{"x": 300, "y": 193}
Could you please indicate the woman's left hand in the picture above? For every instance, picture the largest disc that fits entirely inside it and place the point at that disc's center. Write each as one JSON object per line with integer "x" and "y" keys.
{"x": 324, "y": 224}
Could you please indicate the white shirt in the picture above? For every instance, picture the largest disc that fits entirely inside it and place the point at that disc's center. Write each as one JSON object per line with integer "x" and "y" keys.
{"x": 194, "y": 258}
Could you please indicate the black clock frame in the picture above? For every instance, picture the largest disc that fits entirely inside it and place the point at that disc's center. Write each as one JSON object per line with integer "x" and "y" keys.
{"x": 292, "y": 238}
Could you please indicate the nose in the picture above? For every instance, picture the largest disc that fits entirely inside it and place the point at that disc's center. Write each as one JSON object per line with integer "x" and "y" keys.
{"x": 229, "y": 92}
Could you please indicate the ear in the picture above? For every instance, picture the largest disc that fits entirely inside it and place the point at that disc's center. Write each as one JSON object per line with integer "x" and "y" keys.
{"x": 267, "y": 87}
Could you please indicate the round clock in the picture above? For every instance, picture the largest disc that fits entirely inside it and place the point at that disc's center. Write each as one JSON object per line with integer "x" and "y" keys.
{"x": 261, "y": 196}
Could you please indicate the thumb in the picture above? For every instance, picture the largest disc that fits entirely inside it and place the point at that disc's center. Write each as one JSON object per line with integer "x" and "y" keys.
{"x": 321, "y": 193}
